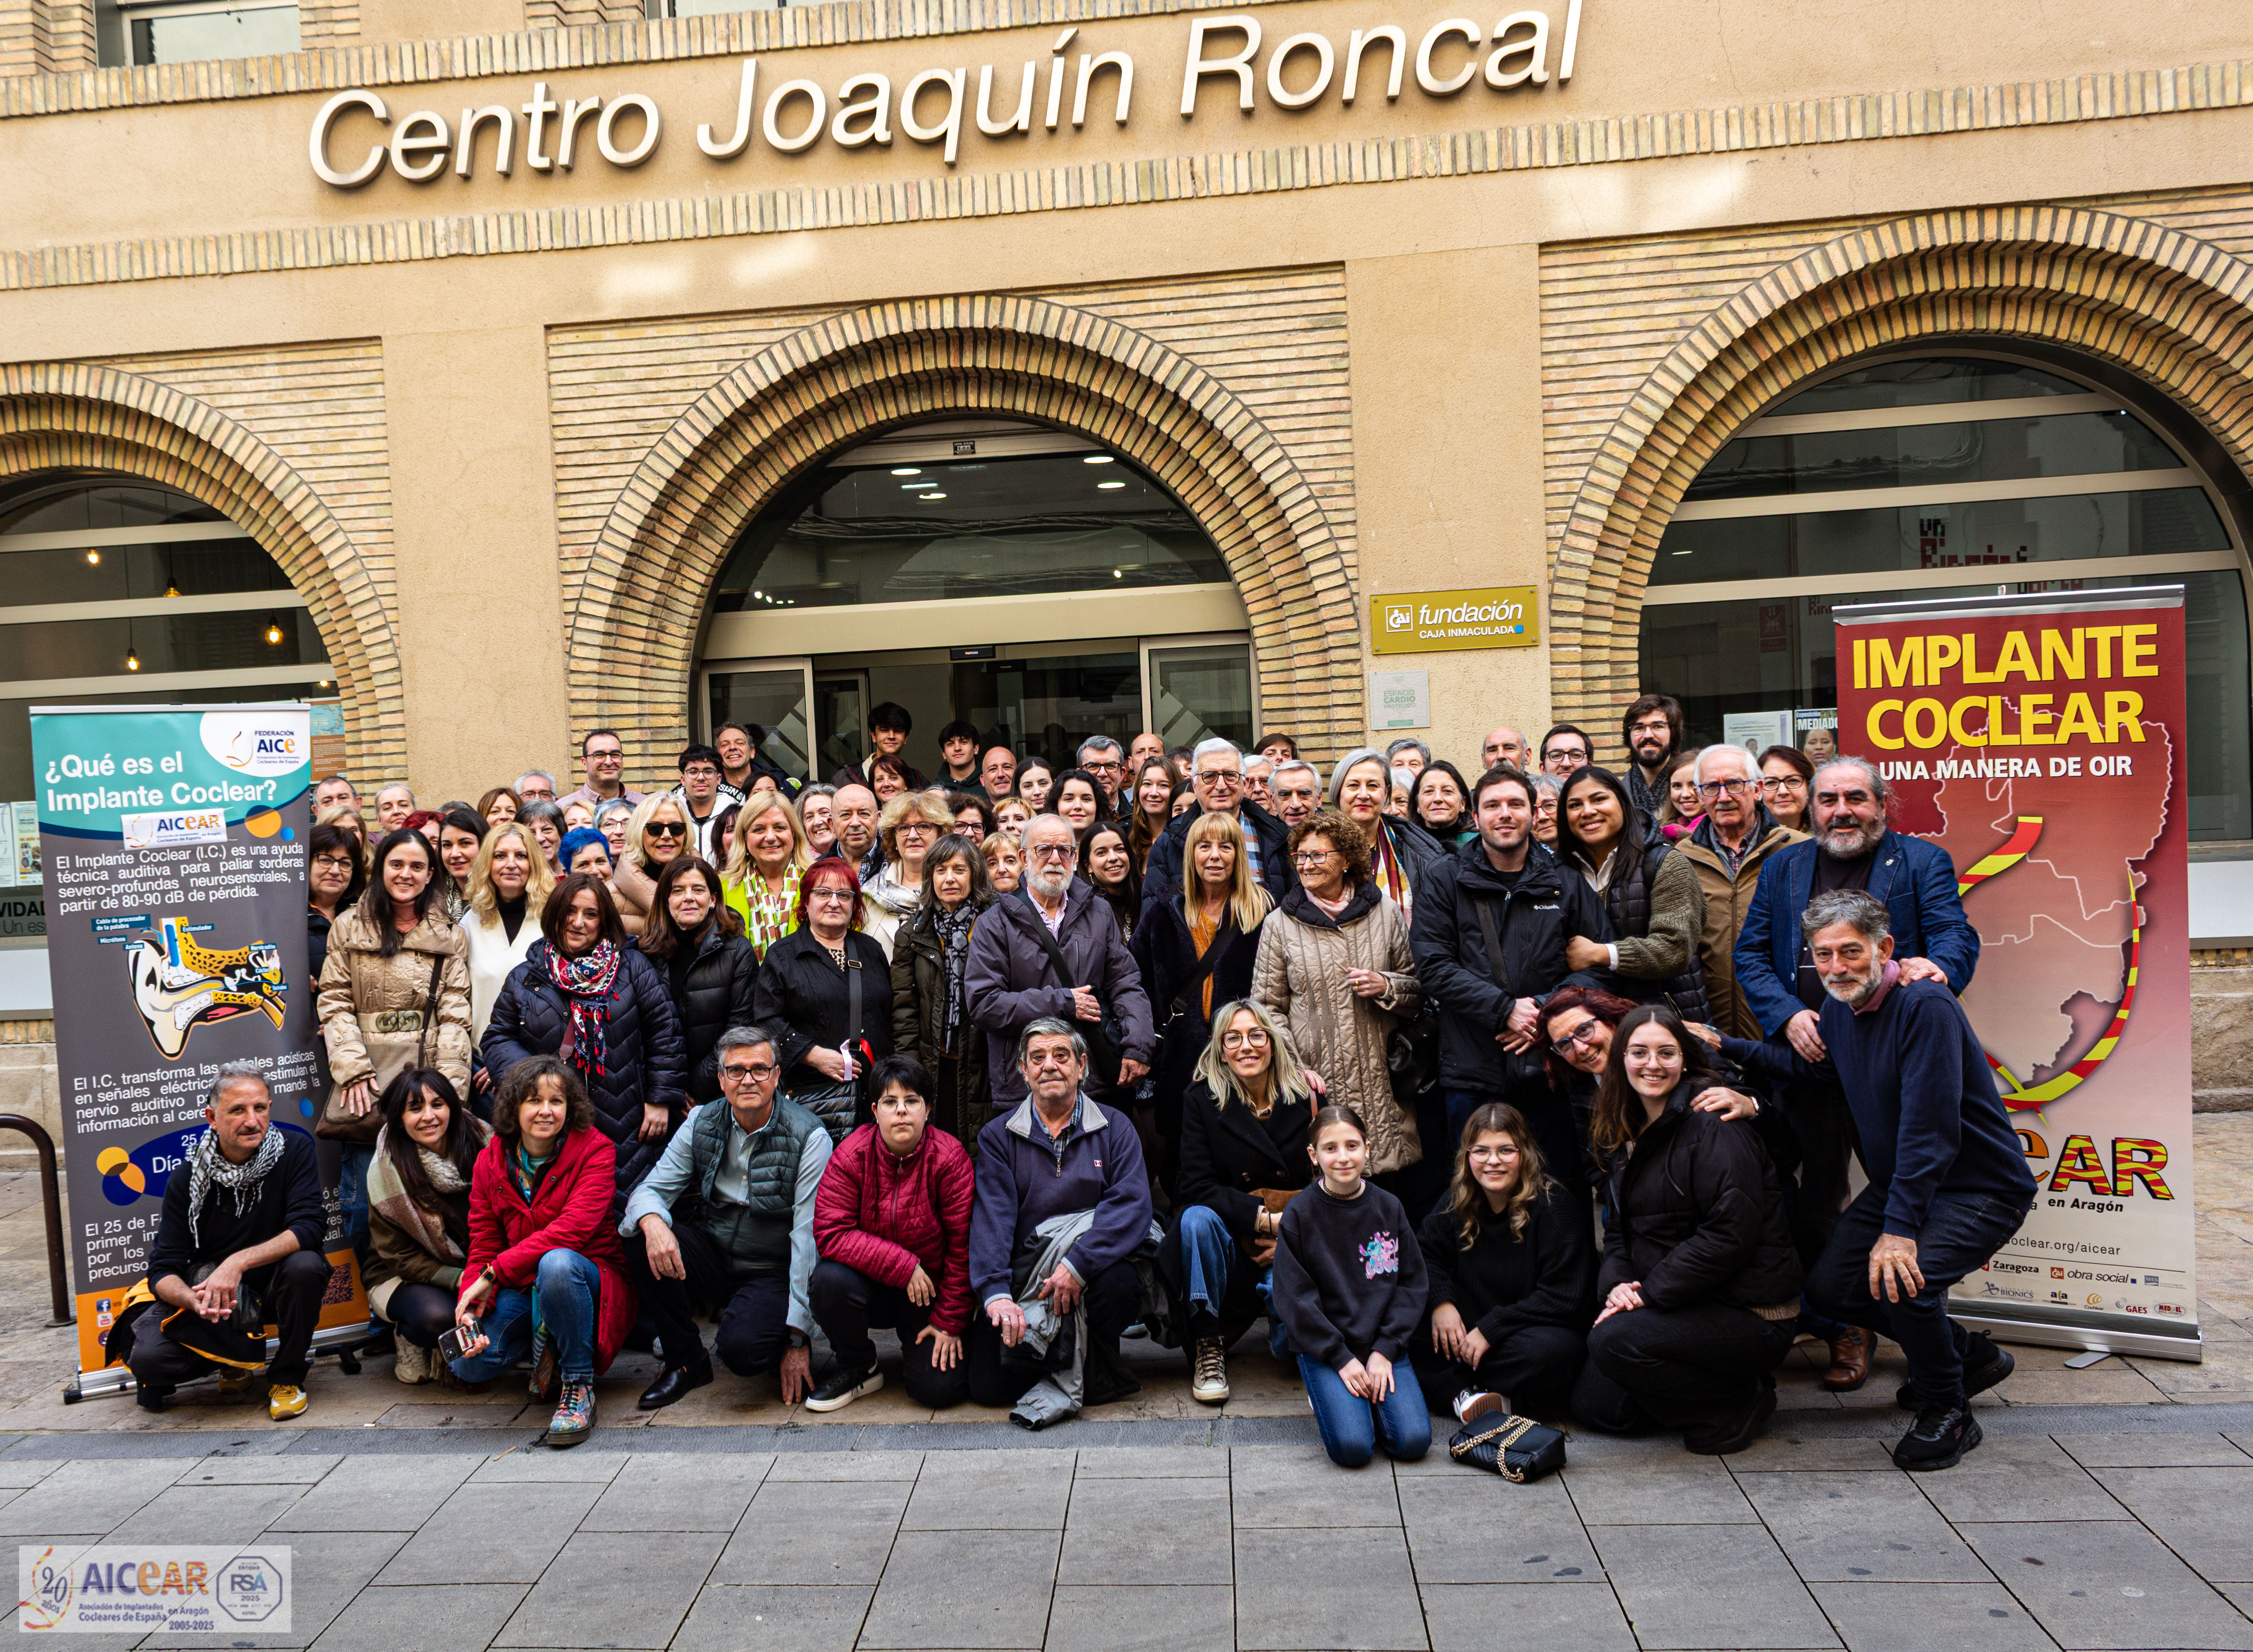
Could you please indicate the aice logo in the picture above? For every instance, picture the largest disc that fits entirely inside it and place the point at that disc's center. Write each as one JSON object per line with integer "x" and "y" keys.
{"x": 251, "y": 744}
{"x": 1400, "y": 616}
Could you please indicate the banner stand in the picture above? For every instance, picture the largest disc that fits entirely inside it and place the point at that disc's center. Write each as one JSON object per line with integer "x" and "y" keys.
{"x": 2041, "y": 739}
{"x": 116, "y": 1379}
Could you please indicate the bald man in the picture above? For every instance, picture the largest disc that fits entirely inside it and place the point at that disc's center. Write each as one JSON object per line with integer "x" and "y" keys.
{"x": 1503, "y": 745}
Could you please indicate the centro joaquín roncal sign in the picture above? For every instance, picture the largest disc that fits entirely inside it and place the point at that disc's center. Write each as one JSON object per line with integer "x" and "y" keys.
{"x": 2039, "y": 739}
{"x": 172, "y": 843}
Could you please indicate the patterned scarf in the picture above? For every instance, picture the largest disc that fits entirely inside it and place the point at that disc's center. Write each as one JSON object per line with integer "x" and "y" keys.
{"x": 953, "y": 930}
{"x": 586, "y": 981}
{"x": 1392, "y": 876}
{"x": 767, "y": 917}
{"x": 209, "y": 1168}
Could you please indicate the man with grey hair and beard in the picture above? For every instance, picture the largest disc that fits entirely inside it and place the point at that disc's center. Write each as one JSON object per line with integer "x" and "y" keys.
{"x": 1914, "y": 881}
{"x": 1949, "y": 1183}
{"x": 1053, "y": 949}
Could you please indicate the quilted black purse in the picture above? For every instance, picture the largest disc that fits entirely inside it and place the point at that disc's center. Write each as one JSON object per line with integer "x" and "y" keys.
{"x": 1515, "y": 1447}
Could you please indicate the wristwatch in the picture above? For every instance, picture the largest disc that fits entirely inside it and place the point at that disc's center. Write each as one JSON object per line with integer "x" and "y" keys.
{"x": 799, "y": 1339}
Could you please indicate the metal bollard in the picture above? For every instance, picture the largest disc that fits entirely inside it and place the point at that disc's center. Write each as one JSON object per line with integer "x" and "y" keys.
{"x": 51, "y": 1196}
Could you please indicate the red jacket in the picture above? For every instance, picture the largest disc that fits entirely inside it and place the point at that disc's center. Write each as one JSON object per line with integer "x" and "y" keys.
{"x": 882, "y": 1215}
{"x": 570, "y": 1212}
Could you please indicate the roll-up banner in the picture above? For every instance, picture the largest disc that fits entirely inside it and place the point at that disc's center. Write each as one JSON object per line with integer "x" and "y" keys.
{"x": 172, "y": 843}
{"x": 2040, "y": 740}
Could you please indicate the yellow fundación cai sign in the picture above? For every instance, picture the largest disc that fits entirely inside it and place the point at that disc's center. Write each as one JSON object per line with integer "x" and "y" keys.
{"x": 1420, "y": 621}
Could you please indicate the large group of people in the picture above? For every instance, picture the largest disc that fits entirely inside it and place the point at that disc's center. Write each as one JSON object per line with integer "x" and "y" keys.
{"x": 1531, "y": 1081}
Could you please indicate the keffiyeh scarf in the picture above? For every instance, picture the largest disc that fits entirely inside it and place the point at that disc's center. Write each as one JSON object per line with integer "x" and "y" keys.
{"x": 208, "y": 1167}
{"x": 586, "y": 981}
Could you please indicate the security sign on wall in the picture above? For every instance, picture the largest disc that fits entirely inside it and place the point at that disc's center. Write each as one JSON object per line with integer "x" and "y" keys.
{"x": 1424, "y": 622}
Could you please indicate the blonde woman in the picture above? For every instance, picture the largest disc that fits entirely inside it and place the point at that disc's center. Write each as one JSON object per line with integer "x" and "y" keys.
{"x": 1195, "y": 948}
{"x": 508, "y": 885}
{"x": 765, "y": 860}
{"x": 1334, "y": 968}
{"x": 656, "y": 833}
{"x": 910, "y": 825}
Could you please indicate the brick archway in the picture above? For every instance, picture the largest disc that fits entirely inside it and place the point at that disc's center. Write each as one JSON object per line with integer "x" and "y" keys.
{"x": 633, "y": 623}
{"x": 65, "y": 416}
{"x": 2174, "y": 311}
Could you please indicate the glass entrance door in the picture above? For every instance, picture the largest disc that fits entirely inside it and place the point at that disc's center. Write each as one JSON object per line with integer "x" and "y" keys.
{"x": 1199, "y": 689}
{"x": 774, "y": 698}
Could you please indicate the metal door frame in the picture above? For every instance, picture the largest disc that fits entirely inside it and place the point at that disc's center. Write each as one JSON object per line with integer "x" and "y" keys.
{"x": 802, "y": 664}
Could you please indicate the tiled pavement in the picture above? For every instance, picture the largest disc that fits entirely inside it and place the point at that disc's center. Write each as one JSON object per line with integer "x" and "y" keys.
{"x": 2110, "y": 1508}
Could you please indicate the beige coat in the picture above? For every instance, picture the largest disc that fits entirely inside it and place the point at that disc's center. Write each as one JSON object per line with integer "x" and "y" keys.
{"x": 365, "y": 994}
{"x": 1299, "y": 978}
{"x": 1727, "y": 900}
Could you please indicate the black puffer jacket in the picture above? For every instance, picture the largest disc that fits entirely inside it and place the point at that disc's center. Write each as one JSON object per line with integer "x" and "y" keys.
{"x": 803, "y": 1000}
{"x": 1697, "y": 1213}
{"x": 642, "y": 1062}
{"x": 1533, "y": 917}
{"x": 711, "y": 992}
{"x": 1167, "y": 954}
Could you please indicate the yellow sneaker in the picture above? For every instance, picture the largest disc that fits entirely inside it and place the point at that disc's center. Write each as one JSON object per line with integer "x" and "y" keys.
{"x": 283, "y": 1402}
{"x": 232, "y": 1382}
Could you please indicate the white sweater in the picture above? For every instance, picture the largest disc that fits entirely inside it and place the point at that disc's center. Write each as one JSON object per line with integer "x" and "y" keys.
{"x": 492, "y": 955}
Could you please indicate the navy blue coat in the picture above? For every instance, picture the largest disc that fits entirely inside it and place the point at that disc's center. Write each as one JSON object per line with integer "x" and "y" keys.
{"x": 646, "y": 1062}
{"x": 1915, "y": 878}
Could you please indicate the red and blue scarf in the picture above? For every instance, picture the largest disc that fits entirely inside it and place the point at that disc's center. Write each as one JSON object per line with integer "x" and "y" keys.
{"x": 586, "y": 981}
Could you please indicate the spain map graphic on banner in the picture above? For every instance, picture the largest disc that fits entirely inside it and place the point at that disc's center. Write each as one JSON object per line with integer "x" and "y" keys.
{"x": 2039, "y": 739}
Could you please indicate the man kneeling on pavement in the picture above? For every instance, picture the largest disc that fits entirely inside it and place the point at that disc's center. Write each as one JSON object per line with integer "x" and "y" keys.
{"x": 1061, "y": 1241}
{"x": 1949, "y": 1183}
{"x": 238, "y": 1245}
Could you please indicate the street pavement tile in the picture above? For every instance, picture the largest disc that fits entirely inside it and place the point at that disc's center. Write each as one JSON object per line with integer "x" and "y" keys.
{"x": 261, "y": 1468}
{"x": 1917, "y": 1617}
{"x": 2153, "y": 1451}
{"x": 768, "y": 1618}
{"x": 846, "y": 1465}
{"x": 2204, "y": 1515}
{"x": 819, "y": 1533}
{"x": 89, "y": 1497}
{"x": 2108, "y": 1584}
{"x": 2018, "y": 1477}
{"x": 1151, "y": 1462}
{"x": 1311, "y": 1587}
{"x": 1838, "y": 1527}
{"x": 2241, "y": 1594}
{"x": 675, "y": 1491}
{"x": 205, "y": 1514}
{"x": 530, "y": 1463}
{"x": 1777, "y": 1451}
{"x": 376, "y": 1494}
{"x": 1709, "y": 1586}
{"x": 990, "y": 1491}
{"x": 1479, "y": 1617}
{"x": 1147, "y": 1532}
{"x": 327, "y": 1569}
{"x": 986, "y": 1589}
{"x": 600, "y": 1591}
{"x": 1126, "y": 1618}
{"x": 493, "y": 1534}
{"x": 1486, "y": 1530}
{"x": 21, "y": 1474}
{"x": 445, "y": 1617}
{"x": 1298, "y": 1486}
{"x": 1676, "y": 1489}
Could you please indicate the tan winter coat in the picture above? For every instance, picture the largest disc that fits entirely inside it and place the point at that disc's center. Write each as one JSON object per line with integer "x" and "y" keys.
{"x": 1300, "y": 979}
{"x": 365, "y": 995}
{"x": 1727, "y": 900}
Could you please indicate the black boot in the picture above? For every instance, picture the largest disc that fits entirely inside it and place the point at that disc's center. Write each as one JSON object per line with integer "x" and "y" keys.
{"x": 1941, "y": 1437}
{"x": 675, "y": 1382}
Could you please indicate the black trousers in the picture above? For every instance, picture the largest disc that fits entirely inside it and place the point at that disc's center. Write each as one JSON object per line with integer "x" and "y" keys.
{"x": 290, "y": 1291}
{"x": 422, "y": 1314}
{"x": 848, "y": 1303}
{"x": 754, "y": 1308}
{"x": 1819, "y": 1118}
{"x": 1533, "y": 1367}
{"x": 1115, "y": 1298}
{"x": 1684, "y": 1368}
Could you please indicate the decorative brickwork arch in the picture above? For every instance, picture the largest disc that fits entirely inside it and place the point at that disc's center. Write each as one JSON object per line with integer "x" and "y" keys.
{"x": 62, "y": 415}
{"x": 635, "y": 618}
{"x": 2174, "y": 311}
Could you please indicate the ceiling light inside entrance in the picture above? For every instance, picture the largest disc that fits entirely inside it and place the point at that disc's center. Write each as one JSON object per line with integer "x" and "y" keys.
{"x": 1097, "y": 458}
{"x": 907, "y": 469}
{"x": 1106, "y": 486}
{"x": 932, "y": 496}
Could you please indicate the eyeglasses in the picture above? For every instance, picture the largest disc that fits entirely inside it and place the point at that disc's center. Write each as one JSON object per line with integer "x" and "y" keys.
{"x": 1222, "y": 777}
{"x": 916, "y": 826}
{"x": 1311, "y": 857}
{"x": 1652, "y": 726}
{"x": 699, "y": 771}
{"x": 1488, "y": 1155}
{"x": 1584, "y": 1034}
{"x": 334, "y": 863}
{"x": 1050, "y": 852}
{"x": 604, "y": 757}
{"x": 733, "y": 1075}
{"x": 1100, "y": 768}
{"x": 1724, "y": 788}
{"x": 829, "y": 895}
{"x": 1249, "y": 1037}
{"x": 1782, "y": 783}
{"x": 665, "y": 829}
{"x": 1554, "y": 753}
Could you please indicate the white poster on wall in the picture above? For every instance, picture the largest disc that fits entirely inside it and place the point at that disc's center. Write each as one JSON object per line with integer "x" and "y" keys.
{"x": 1400, "y": 699}
{"x": 1757, "y": 730}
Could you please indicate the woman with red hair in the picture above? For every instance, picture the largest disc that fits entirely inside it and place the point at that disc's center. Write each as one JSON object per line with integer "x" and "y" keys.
{"x": 825, "y": 992}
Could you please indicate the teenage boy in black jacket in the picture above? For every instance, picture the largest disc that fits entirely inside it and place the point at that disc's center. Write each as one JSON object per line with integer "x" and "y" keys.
{"x": 1487, "y": 1005}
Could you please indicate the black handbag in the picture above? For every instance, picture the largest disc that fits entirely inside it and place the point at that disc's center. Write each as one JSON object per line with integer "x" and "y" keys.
{"x": 837, "y": 1103}
{"x": 1515, "y": 1447}
{"x": 1107, "y": 1039}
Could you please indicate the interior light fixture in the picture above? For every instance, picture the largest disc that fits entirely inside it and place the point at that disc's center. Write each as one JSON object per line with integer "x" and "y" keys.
{"x": 274, "y": 629}
{"x": 907, "y": 469}
{"x": 930, "y": 495}
{"x": 171, "y": 589}
{"x": 1106, "y": 487}
{"x": 132, "y": 654}
{"x": 1097, "y": 458}
{"x": 93, "y": 558}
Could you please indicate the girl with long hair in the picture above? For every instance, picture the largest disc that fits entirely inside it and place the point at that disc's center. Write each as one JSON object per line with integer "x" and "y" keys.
{"x": 1108, "y": 866}
{"x": 697, "y": 940}
{"x": 1150, "y": 813}
{"x": 418, "y": 1195}
{"x": 1651, "y": 894}
{"x": 931, "y": 1007}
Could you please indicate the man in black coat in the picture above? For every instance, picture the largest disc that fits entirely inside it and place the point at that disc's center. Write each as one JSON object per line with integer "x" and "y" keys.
{"x": 242, "y": 1213}
{"x": 1217, "y": 772}
{"x": 1488, "y": 1005}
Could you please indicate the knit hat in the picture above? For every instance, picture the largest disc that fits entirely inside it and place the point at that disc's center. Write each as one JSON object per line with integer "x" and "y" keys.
{"x": 577, "y": 839}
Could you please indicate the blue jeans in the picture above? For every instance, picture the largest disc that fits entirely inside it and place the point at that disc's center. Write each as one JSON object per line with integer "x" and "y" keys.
{"x": 1217, "y": 1268}
{"x": 352, "y": 1160}
{"x": 569, "y": 1288}
{"x": 1352, "y": 1427}
{"x": 1960, "y": 1233}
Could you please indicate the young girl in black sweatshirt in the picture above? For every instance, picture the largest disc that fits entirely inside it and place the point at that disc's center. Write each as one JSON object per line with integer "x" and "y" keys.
{"x": 1349, "y": 1285}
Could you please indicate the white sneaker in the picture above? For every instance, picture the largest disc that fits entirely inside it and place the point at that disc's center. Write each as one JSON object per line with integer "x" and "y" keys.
{"x": 1474, "y": 1401}
{"x": 843, "y": 1388}
{"x": 412, "y": 1363}
{"x": 1208, "y": 1382}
